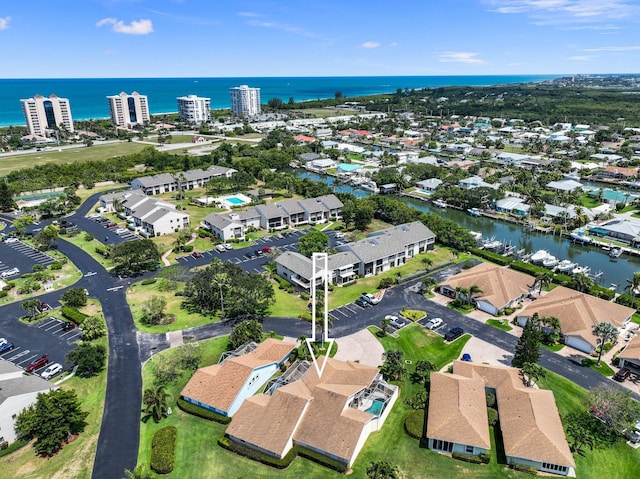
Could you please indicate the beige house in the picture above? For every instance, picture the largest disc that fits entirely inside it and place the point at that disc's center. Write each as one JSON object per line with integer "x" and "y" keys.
{"x": 501, "y": 287}
{"x": 531, "y": 428}
{"x": 332, "y": 414}
{"x": 223, "y": 387}
{"x": 630, "y": 356}
{"x": 578, "y": 313}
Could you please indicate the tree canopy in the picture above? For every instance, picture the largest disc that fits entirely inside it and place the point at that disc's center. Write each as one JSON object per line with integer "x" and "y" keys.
{"x": 313, "y": 242}
{"x": 528, "y": 345}
{"x": 75, "y": 297}
{"x": 135, "y": 256}
{"x": 244, "y": 332}
{"x": 90, "y": 358}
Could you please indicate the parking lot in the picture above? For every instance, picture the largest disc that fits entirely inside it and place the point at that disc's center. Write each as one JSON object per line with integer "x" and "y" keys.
{"x": 19, "y": 255}
{"x": 54, "y": 325}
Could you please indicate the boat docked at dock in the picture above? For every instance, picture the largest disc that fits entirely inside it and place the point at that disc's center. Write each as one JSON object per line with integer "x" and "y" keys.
{"x": 474, "y": 211}
{"x": 539, "y": 256}
{"x": 581, "y": 270}
{"x": 615, "y": 252}
{"x": 580, "y": 236}
{"x": 440, "y": 203}
{"x": 565, "y": 266}
{"x": 550, "y": 261}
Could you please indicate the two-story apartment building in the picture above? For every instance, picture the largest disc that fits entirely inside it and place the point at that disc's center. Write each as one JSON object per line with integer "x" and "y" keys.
{"x": 187, "y": 180}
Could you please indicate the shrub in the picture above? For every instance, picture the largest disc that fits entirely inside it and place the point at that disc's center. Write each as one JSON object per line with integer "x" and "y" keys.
{"x": 467, "y": 457}
{"x": 522, "y": 468}
{"x": 188, "y": 248}
{"x": 602, "y": 292}
{"x": 163, "y": 449}
{"x": 102, "y": 251}
{"x": 304, "y": 295}
{"x": 202, "y": 412}
{"x": 492, "y": 415}
{"x": 149, "y": 281}
{"x": 73, "y": 314}
{"x": 491, "y": 399}
{"x": 14, "y": 446}
{"x": 414, "y": 423}
{"x": 385, "y": 283}
{"x": 491, "y": 256}
{"x": 485, "y": 458}
{"x": 230, "y": 445}
{"x": 56, "y": 265}
{"x": 93, "y": 327}
{"x": 4, "y": 293}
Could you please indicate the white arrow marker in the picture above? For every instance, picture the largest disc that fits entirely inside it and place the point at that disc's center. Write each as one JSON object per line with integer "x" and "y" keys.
{"x": 320, "y": 270}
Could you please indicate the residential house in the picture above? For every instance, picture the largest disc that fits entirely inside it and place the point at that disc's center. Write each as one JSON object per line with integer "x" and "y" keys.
{"x": 578, "y": 313}
{"x": 332, "y": 414}
{"x": 606, "y": 157}
{"x": 429, "y": 184}
{"x": 532, "y": 432}
{"x": 223, "y": 387}
{"x": 297, "y": 268}
{"x": 500, "y": 288}
{"x": 473, "y": 182}
{"x": 564, "y": 185}
{"x": 386, "y": 249}
{"x": 618, "y": 173}
{"x": 187, "y": 180}
{"x": 619, "y": 229}
{"x": 17, "y": 392}
{"x": 512, "y": 206}
{"x": 630, "y": 356}
{"x": 223, "y": 227}
{"x": 511, "y": 158}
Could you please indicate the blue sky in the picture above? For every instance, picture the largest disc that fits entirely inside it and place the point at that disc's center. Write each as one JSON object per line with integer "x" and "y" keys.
{"x": 228, "y": 38}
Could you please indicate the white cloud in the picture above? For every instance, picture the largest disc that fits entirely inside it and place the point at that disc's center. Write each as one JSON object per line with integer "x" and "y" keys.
{"x": 614, "y": 49}
{"x": 460, "y": 57}
{"x": 283, "y": 27}
{"x": 136, "y": 27}
{"x": 4, "y": 23}
{"x": 248, "y": 14}
{"x": 370, "y": 45}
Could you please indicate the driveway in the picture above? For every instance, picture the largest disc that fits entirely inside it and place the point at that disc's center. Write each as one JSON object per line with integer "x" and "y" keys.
{"x": 485, "y": 352}
{"x": 361, "y": 347}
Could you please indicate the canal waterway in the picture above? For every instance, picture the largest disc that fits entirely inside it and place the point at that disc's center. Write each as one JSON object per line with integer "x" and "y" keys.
{"x": 614, "y": 271}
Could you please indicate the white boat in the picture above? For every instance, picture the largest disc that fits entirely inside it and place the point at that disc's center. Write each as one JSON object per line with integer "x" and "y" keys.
{"x": 580, "y": 270}
{"x": 565, "y": 265}
{"x": 440, "y": 203}
{"x": 539, "y": 256}
{"x": 615, "y": 252}
{"x": 474, "y": 211}
{"x": 477, "y": 235}
{"x": 550, "y": 261}
{"x": 492, "y": 245}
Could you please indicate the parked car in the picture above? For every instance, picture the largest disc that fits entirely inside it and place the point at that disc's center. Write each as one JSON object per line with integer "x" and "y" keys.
{"x": 196, "y": 254}
{"x": 370, "y": 298}
{"x": 434, "y": 323}
{"x": 228, "y": 246}
{"x": 395, "y": 321}
{"x": 11, "y": 239}
{"x": 37, "y": 363}
{"x": 42, "y": 307}
{"x": 622, "y": 374}
{"x": 362, "y": 303}
{"x": 266, "y": 249}
{"x": 120, "y": 231}
{"x": 220, "y": 248}
{"x": 110, "y": 224}
{"x": 6, "y": 346}
{"x": 68, "y": 325}
{"x": 258, "y": 252}
{"x": 453, "y": 334}
{"x": 51, "y": 371}
{"x": 466, "y": 357}
{"x": 10, "y": 272}
{"x": 633, "y": 434}
{"x": 250, "y": 255}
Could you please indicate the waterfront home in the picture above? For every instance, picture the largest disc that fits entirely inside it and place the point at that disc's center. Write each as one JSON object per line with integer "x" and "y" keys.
{"x": 500, "y": 288}
{"x": 618, "y": 173}
{"x": 619, "y": 229}
{"x": 240, "y": 374}
{"x": 530, "y": 424}
{"x": 331, "y": 414}
{"x": 606, "y": 157}
{"x": 564, "y": 185}
{"x": 630, "y": 356}
{"x": 17, "y": 392}
{"x": 187, "y": 180}
{"x": 473, "y": 182}
{"x": 307, "y": 157}
{"x": 578, "y": 313}
{"x": 429, "y": 184}
{"x": 512, "y": 206}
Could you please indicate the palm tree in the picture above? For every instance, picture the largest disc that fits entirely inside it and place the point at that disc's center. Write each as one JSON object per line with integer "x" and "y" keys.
{"x": 605, "y": 332}
{"x": 428, "y": 283}
{"x": 531, "y": 372}
{"x": 155, "y": 401}
{"x": 582, "y": 282}
{"x": 221, "y": 281}
{"x": 543, "y": 280}
{"x": 633, "y": 285}
{"x": 30, "y": 306}
{"x": 427, "y": 262}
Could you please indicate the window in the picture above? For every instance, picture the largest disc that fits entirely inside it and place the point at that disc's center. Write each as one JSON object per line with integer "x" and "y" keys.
{"x": 442, "y": 445}
{"x": 554, "y": 467}
{"x": 469, "y": 449}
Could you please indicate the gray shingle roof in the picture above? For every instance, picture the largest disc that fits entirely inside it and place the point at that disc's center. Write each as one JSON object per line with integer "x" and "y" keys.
{"x": 331, "y": 201}
{"x": 291, "y": 207}
{"x": 217, "y": 220}
{"x": 299, "y": 264}
{"x": 312, "y": 205}
{"x": 270, "y": 210}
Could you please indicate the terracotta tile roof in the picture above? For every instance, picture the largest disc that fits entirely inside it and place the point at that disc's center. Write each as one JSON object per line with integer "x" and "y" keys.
{"x": 311, "y": 411}
{"x": 458, "y": 411}
{"x": 632, "y": 351}
{"x": 578, "y": 312}
{"x": 499, "y": 285}
{"x": 218, "y": 385}
{"x": 529, "y": 419}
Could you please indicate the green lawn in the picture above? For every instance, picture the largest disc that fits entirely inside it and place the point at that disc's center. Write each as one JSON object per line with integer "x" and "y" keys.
{"x": 75, "y": 460}
{"x": 89, "y": 247}
{"x": 96, "y": 152}
{"x": 500, "y": 324}
{"x": 286, "y": 304}
{"x": 603, "y": 369}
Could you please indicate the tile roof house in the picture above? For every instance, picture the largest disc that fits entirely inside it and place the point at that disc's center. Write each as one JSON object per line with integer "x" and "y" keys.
{"x": 578, "y": 313}
{"x": 331, "y": 415}
{"x": 532, "y": 431}
{"x": 17, "y": 392}
{"x": 630, "y": 355}
{"x": 223, "y": 387}
{"x": 500, "y": 287}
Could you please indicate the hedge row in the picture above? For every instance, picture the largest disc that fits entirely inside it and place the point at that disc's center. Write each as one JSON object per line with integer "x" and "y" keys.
{"x": 414, "y": 423}
{"x": 628, "y": 300}
{"x": 526, "y": 469}
{"x": 467, "y": 457}
{"x": 491, "y": 256}
{"x": 263, "y": 458}
{"x": 202, "y": 412}
{"x": 14, "y": 446}
{"x": 149, "y": 281}
{"x": 72, "y": 314}
{"x": 163, "y": 449}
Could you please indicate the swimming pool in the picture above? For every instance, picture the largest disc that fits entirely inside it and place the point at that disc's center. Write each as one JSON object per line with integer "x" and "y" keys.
{"x": 425, "y": 192}
{"x": 376, "y": 407}
{"x": 234, "y": 200}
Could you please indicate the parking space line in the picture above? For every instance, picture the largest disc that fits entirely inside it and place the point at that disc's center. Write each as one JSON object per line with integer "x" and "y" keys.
{"x": 30, "y": 358}
{"x": 334, "y": 317}
{"x": 16, "y": 356}
{"x": 341, "y": 312}
{"x": 73, "y": 336}
{"x": 346, "y": 306}
{"x": 47, "y": 323}
{"x": 56, "y": 325}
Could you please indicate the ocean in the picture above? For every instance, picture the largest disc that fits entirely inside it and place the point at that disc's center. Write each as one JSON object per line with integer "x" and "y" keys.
{"x": 87, "y": 96}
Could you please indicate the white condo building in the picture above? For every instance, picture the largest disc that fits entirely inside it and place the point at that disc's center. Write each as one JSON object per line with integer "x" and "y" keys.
{"x": 129, "y": 110}
{"x": 245, "y": 101}
{"x": 194, "y": 109}
{"x": 43, "y": 115}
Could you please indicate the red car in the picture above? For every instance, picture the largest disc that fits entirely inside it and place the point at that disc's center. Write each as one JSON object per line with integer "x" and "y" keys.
{"x": 196, "y": 254}
{"x": 38, "y": 363}
{"x": 266, "y": 249}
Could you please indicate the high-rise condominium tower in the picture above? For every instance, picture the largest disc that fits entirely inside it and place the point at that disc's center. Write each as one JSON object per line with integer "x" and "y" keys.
{"x": 194, "y": 109}
{"x": 245, "y": 101}
{"x": 43, "y": 115}
{"x": 129, "y": 110}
